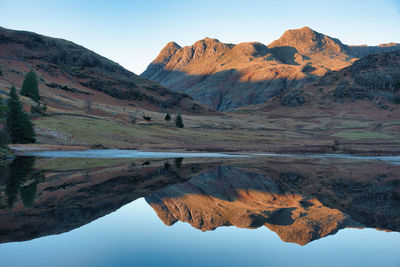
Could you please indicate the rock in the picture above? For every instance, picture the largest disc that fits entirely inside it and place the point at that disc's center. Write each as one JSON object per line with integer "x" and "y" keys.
{"x": 293, "y": 98}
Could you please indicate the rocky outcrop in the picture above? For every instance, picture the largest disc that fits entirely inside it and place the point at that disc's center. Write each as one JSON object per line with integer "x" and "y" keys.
{"x": 292, "y": 98}
{"x": 373, "y": 77}
{"x": 227, "y": 76}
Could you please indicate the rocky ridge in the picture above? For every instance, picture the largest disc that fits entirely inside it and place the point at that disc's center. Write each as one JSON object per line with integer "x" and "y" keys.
{"x": 227, "y": 76}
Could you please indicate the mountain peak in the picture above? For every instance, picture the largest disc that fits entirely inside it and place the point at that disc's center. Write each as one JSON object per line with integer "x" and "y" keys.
{"x": 207, "y": 41}
{"x": 305, "y": 32}
{"x": 167, "y": 52}
{"x": 172, "y": 45}
{"x": 305, "y": 29}
{"x": 307, "y": 41}
{"x": 209, "y": 46}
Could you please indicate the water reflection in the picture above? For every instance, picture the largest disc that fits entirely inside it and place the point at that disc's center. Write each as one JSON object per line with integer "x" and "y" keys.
{"x": 308, "y": 202}
{"x": 300, "y": 199}
{"x": 20, "y": 179}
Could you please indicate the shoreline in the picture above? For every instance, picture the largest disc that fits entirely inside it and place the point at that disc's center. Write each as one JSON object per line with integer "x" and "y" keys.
{"x": 26, "y": 148}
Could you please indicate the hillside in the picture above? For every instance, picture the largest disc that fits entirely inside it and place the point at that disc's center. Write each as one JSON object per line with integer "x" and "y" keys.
{"x": 227, "y": 76}
{"x": 71, "y": 74}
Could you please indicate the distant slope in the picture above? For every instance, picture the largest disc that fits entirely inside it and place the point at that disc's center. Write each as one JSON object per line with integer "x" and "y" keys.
{"x": 227, "y": 76}
{"x": 372, "y": 80}
{"x": 375, "y": 77}
{"x": 70, "y": 73}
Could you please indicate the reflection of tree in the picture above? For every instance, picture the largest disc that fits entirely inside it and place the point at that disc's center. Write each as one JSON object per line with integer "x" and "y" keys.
{"x": 23, "y": 180}
{"x": 178, "y": 162}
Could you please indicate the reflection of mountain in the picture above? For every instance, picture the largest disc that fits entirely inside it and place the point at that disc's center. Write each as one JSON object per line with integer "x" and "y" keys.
{"x": 68, "y": 199}
{"x": 300, "y": 200}
{"x": 231, "y": 196}
{"x": 283, "y": 201}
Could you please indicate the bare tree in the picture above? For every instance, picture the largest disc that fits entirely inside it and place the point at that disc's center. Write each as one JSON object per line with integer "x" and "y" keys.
{"x": 133, "y": 118}
{"x": 88, "y": 105}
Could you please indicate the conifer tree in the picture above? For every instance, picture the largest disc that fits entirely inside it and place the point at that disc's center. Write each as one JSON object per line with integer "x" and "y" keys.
{"x": 167, "y": 117}
{"x": 30, "y": 87}
{"x": 3, "y": 109}
{"x": 18, "y": 122}
{"x": 179, "y": 121}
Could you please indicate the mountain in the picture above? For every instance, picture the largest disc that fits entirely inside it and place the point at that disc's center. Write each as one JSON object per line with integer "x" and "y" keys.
{"x": 69, "y": 74}
{"x": 227, "y": 76}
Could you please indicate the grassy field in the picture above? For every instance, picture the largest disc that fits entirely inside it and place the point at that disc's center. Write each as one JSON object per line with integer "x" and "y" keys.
{"x": 227, "y": 132}
{"x": 114, "y": 133}
{"x": 356, "y": 135}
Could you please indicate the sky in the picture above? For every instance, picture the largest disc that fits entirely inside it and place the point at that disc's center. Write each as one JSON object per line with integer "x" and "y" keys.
{"x": 132, "y": 33}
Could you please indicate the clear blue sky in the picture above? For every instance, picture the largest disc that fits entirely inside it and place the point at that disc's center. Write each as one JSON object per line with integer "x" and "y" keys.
{"x": 133, "y": 32}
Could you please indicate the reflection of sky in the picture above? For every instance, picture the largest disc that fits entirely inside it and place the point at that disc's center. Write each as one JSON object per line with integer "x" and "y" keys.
{"x": 135, "y": 236}
{"x": 138, "y": 154}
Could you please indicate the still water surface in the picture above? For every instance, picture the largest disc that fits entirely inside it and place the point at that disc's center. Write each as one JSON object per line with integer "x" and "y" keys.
{"x": 134, "y": 236}
{"x": 263, "y": 211}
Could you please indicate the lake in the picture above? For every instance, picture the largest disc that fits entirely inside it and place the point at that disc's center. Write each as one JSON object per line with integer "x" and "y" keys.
{"x": 214, "y": 209}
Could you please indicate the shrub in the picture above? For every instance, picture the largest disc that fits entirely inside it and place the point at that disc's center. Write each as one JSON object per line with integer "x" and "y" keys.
{"x": 167, "y": 117}
{"x": 39, "y": 109}
{"x": 147, "y": 118}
